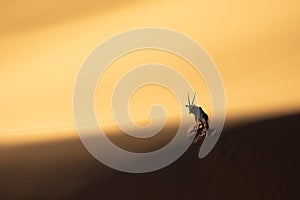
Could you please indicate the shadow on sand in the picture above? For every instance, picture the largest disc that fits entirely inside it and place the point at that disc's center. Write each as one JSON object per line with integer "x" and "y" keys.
{"x": 258, "y": 160}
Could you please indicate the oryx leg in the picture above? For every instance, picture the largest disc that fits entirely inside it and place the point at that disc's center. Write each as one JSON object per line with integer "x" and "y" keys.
{"x": 203, "y": 127}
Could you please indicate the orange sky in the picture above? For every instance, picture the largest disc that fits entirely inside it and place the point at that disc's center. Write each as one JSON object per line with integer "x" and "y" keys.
{"x": 255, "y": 45}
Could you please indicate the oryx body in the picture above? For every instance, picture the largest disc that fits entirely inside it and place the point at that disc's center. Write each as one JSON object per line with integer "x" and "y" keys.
{"x": 201, "y": 118}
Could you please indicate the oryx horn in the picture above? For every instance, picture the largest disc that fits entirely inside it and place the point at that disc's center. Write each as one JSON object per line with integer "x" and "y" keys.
{"x": 194, "y": 98}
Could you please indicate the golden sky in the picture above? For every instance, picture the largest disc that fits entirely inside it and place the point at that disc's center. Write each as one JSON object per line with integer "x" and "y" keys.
{"x": 255, "y": 45}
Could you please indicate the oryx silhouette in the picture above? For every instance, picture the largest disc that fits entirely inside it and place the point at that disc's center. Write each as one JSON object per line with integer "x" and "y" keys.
{"x": 201, "y": 118}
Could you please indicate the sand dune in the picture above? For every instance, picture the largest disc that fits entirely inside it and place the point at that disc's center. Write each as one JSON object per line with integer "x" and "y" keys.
{"x": 255, "y": 46}
{"x": 251, "y": 161}
{"x": 40, "y": 14}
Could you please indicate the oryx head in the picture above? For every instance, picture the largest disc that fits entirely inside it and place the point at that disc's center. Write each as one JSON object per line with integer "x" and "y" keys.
{"x": 191, "y": 106}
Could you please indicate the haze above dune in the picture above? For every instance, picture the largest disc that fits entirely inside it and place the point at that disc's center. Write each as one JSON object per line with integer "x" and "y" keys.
{"x": 255, "y": 45}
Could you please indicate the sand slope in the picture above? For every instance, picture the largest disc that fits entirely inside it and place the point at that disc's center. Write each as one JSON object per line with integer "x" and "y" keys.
{"x": 252, "y": 161}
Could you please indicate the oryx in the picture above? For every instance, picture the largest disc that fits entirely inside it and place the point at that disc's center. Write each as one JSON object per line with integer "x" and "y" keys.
{"x": 201, "y": 118}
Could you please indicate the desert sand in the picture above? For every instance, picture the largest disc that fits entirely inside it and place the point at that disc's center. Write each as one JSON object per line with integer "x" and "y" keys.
{"x": 257, "y": 160}
{"x": 255, "y": 46}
